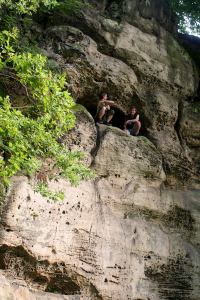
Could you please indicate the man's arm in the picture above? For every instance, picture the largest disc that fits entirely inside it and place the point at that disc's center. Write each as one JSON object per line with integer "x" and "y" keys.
{"x": 133, "y": 120}
{"x": 106, "y": 101}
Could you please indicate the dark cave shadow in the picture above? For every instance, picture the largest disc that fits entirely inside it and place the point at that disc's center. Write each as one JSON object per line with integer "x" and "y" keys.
{"x": 117, "y": 120}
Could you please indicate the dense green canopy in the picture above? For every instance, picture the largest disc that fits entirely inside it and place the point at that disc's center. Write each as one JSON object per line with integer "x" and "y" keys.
{"x": 189, "y": 15}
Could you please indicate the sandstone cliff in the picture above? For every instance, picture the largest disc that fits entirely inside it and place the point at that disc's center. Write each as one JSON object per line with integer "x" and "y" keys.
{"x": 134, "y": 232}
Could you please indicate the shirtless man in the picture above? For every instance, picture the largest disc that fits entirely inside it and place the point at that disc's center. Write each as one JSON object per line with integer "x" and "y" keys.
{"x": 104, "y": 113}
{"x": 132, "y": 124}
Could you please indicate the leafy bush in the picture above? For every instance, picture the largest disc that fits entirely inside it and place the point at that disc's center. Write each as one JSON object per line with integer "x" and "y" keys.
{"x": 30, "y": 133}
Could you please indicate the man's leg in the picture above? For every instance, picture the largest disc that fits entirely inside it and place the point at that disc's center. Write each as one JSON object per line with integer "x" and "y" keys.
{"x": 109, "y": 116}
{"x": 101, "y": 114}
{"x": 136, "y": 128}
{"x": 128, "y": 131}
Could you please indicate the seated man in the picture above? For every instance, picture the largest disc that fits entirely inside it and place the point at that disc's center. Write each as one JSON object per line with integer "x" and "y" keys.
{"x": 104, "y": 113}
{"x": 132, "y": 124}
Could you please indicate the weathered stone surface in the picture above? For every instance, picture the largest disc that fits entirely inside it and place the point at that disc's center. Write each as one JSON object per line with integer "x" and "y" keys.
{"x": 144, "y": 45}
{"x": 123, "y": 236}
{"x": 161, "y": 111}
{"x": 189, "y": 127}
{"x": 119, "y": 242}
{"x": 150, "y": 15}
{"x": 192, "y": 44}
{"x": 17, "y": 289}
{"x": 189, "y": 124}
{"x": 154, "y": 58}
{"x": 120, "y": 237}
{"x": 83, "y": 136}
{"x": 129, "y": 158}
{"x": 89, "y": 71}
{"x": 134, "y": 67}
{"x": 40, "y": 229}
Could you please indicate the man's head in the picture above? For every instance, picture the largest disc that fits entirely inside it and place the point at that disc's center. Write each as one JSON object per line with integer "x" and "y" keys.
{"x": 103, "y": 96}
{"x": 133, "y": 110}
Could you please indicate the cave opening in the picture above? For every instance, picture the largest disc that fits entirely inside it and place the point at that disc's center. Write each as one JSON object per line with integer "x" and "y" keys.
{"x": 117, "y": 120}
{"x": 90, "y": 103}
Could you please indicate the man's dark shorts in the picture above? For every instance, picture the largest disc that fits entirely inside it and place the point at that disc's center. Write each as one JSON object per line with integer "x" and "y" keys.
{"x": 108, "y": 113}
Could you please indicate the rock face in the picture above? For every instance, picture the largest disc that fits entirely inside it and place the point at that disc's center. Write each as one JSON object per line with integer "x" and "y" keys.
{"x": 136, "y": 65}
{"x": 17, "y": 289}
{"x": 122, "y": 236}
{"x": 132, "y": 233}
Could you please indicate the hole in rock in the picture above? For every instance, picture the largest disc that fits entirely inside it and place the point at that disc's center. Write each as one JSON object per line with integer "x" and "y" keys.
{"x": 117, "y": 120}
{"x": 90, "y": 101}
{"x": 39, "y": 274}
{"x": 62, "y": 284}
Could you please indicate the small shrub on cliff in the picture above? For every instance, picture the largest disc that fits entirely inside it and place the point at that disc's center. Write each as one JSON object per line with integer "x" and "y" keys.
{"x": 29, "y": 133}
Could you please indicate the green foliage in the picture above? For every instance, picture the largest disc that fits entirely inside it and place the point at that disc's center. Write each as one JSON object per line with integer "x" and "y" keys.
{"x": 114, "y": 10}
{"x": 188, "y": 12}
{"x": 26, "y": 6}
{"x": 15, "y": 11}
{"x": 30, "y": 133}
{"x": 196, "y": 107}
{"x": 66, "y": 6}
{"x": 51, "y": 290}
